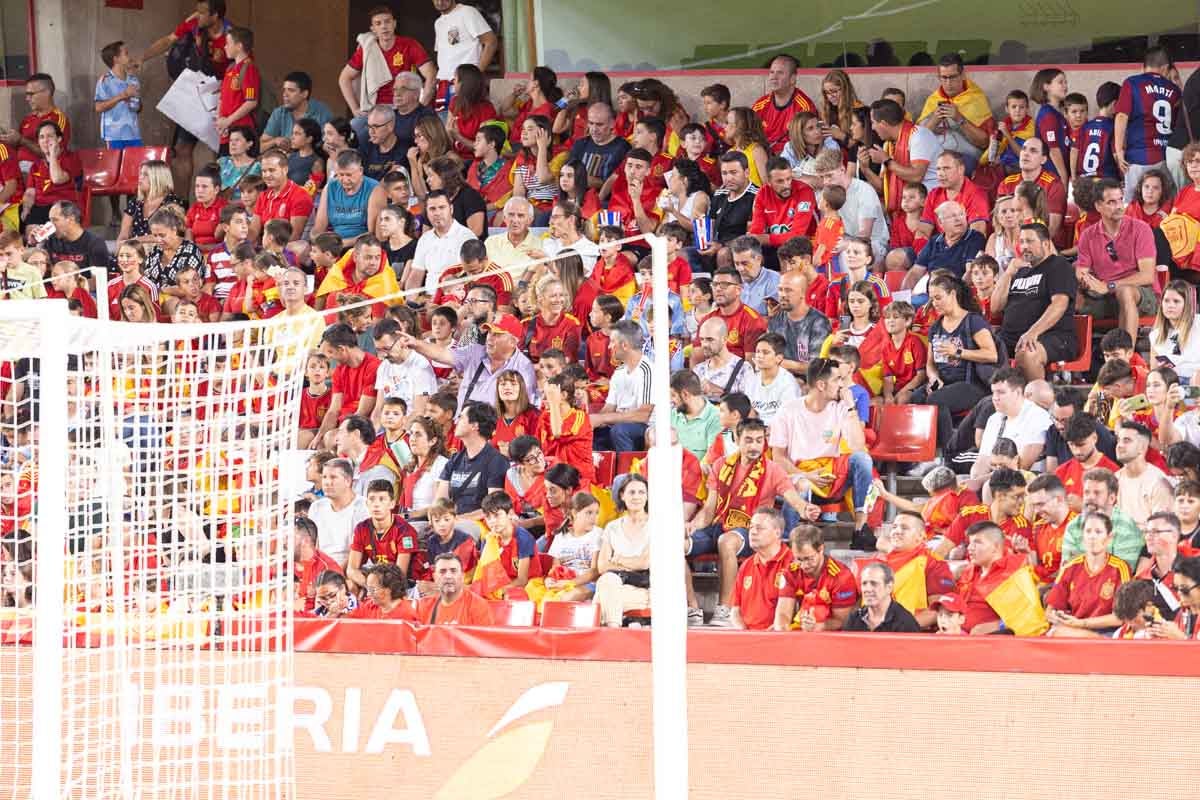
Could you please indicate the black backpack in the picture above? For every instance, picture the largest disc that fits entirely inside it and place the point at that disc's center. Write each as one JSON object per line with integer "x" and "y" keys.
{"x": 188, "y": 52}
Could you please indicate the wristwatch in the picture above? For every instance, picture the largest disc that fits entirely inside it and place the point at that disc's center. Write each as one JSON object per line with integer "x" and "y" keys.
{"x": 1112, "y": 287}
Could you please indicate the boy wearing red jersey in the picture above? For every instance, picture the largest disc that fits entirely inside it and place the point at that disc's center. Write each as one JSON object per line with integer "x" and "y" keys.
{"x": 904, "y": 354}
{"x": 1008, "y": 501}
{"x": 381, "y": 538}
{"x": 314, "y": 400}
{"x": 240, "y": 87}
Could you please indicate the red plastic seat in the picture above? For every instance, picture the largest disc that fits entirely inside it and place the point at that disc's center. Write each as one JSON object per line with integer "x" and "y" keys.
{"x": 605, "y": 462}
{"x": 625, "y": 460}
{"x": 1109, "y": 324}
{"x": 906, "y": 433}
{"x": 894, "y": 278}
{"x": 512, "y": 613}
{"x": 1083, "y": 333}
{"x": 563, "y": 614}
{"x": 132, "y": 159}
{"x": 100, "y": 167}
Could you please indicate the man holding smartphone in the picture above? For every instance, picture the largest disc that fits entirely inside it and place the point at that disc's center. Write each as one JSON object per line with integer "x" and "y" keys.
{"x": 958, "y": 112}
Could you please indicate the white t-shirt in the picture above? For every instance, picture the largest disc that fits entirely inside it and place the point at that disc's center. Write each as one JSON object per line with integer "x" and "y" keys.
{"x": 806, "y": 434}
{"x": 862, "y": 203}
{"x": 1028, "y": 427}
{"x": 456, "y": 39}
{"x": 1142, "y": 496}
{"x": 335, "y": 529}
{"x": 767, "y": 400}
{"x": 629, "y": 390}
{"x": 924, "y": 145}
{"x": 423, "y": 489}
{"x": 435, "y": 253}
{"x": 576, "y": 552}
{"x": 406, "y": 380}
{"x": 588, "y": 251}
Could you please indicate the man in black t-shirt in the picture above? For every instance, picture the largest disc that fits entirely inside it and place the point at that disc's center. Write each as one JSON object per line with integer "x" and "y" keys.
{"x": 601, "y": 150}
{"x": 408, "y": 109}
{"x": 71, "y": 242}
{"x": 475, "y": 470}
{"x": 1036, "y": 293}
{"x": 732, "y": 207}
{"x": 382, "y": 152}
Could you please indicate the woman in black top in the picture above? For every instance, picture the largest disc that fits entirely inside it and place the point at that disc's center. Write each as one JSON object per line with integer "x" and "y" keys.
{"x": 959, "y": 340}
{"x": 470, "y": 209}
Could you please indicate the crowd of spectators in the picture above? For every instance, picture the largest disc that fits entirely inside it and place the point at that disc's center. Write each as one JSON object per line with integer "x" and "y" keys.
{"x": 471, "y": 282}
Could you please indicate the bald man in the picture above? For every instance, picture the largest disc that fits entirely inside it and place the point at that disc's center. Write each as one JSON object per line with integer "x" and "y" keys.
{"x": 720, "y": 371}
{"x": 1040, "y": 392}
{"x": 801, "y": 326}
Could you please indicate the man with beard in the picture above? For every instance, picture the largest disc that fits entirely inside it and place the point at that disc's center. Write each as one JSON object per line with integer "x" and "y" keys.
{"x": 1100, "y": 492}
{"x": 452, "y": 605}
{"x": 803, "y": 328}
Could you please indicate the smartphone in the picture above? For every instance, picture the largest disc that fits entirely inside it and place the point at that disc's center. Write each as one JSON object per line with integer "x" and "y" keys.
{"x": 1136, "y": 403}
{"x": 844, "y": 322}
{"x": 1193, "y": 392}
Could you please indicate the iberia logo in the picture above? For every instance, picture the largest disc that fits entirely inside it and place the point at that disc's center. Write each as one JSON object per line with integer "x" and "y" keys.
{"x": 504, "y": 763}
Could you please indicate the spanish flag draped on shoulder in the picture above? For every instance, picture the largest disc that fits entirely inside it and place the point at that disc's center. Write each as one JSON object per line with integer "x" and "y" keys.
{"x": 342, "y": 277}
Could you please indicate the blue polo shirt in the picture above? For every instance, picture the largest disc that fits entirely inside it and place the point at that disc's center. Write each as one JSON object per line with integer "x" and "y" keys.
{"x": 938, "y": 255}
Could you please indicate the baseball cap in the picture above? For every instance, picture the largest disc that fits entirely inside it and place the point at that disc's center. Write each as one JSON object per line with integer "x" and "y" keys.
{"x": 504, "y": 323}
{"x": 952, "y": 603}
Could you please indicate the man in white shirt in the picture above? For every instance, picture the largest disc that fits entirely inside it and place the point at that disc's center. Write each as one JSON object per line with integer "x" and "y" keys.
{"x": 460, "y": 36}
{"x": 815, "y": 427}
{"x": 862, "y": 213}
{"x": 404, "y": 373}
{"x": 770, "y": 386}
{"x": 627, "y": 407}
{"x": 1143, "y": 487}
{"x": 338, "y": 511}
{"x": 439, "y": 247}
{"x": 1016, "y": 418}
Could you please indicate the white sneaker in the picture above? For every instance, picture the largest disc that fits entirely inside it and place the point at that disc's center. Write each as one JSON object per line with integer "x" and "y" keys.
{"x": 722, "y": 618}
{"x": 695, "y": 617}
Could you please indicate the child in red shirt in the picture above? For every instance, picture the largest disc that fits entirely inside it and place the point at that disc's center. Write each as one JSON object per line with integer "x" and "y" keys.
{"x": 679, "y": 271}
{"x": 613, "y": 272}
{"x": 982, "y": 274}
{"x": 831, "y": 229}
{"x": 904, "y": 354}
{"x": 315, "y": 399}
{"x": 905, "y": 221}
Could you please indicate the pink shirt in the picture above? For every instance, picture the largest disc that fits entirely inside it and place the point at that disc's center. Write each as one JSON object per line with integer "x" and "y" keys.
{"x": 807, "y": 434}
{"x": 1134, "y": 240}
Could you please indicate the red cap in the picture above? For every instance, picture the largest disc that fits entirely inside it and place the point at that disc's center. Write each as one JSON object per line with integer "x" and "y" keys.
{"x": 504, "y": 323}
{"x": 952, "y": 603}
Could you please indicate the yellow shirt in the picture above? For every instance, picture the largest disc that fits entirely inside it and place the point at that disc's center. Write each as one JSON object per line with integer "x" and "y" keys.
{"x": 503, "y": 253}
{"x": 22, "y": 282}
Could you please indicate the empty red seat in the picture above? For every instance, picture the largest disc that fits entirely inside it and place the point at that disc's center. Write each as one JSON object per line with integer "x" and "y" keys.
{"x": 906, "y": 433}
{"x": 132, "y": 159}
{"x": 563, "y": 614}
{"x": 1083, "y": 333}
{"x": 101, "y": 167}
{"x": 512, "y": 613}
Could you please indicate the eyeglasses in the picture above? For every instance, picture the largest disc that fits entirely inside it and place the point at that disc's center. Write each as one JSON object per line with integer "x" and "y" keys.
{"x": 953, "y": 77}
{"x": 725, "y": 283}
{"x": 1185, "y": 589}
{"x": 534, "y": 458}
{"x": 1111, "y": 249}
{"x": 378, "y": 127}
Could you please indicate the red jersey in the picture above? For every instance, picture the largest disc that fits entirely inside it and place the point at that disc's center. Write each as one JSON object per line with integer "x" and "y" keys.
{"x": 612, "y": 278}
{"x": 573, "y": 445}
{"x": 1135, "y": 210}
{"x": 1047, "y": 545}
{"x": 905, "y": 362}
{"x": 834, "y": 587}
{"x": 1083, "y": 594}
{"x": 501, "y": 283}
{"x": 1056, "y": 195}
{"x": 597, "y": 359}
{"x": 242, "y": 83}
{"x": 220, "y": 271}
{"x": 970, "y": 197}
{"x": 405, "y": 55}
{"x": 745, "y": 326}
{"x": 494, "y": 183}
{"x": 525, "y": 110}
{"x": 679, "y": 273}
{"x": 209, "y": 307}
{"x": 564, "y": 334}
{"x": 10, "y": 170}
{"x": 775, "y": 119}
{"x": 368, "y": 610}
{"x": 974, "y": 588}
{"x": 585, "y": 295}
{"x": 313, "y": 408}
{"x": 532, "y": 499}
{"x": 969, "y": 515}
{"x": 818, "y": 291}
{"x": 46, "y": 191}
{"x": 354, "y": 383}
{"x": 399, "y": 539}
{"x": 710, "y": 167}
{"x": 310, "y": 571}
{"x": 215, "y": 44}
{"x": 80, "y": 294}
{"x": 290, "y": 201}
{"x": 256, "y": 298}
{"x": 1071, "y": 473}
{"x": 759, "y": 585}
{"x": 652, "y": 186}
{"x": 829, "y": 231}
{"x": 903, "y": 236}
{"x": 783, "y": 218}
{"x": 202, "y": 221}
{"x": 524, "y": 424}
{"x": 29, "y": 127}
{"x": 114, "y": 295}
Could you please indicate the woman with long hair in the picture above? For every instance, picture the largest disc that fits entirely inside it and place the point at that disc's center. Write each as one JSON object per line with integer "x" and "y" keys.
{"x": 1152, "y": 201}
{"x": 838, "y": 102}
{"x": 67, "y": 283}
{"x": 136, "y": 305}
{"x": 581, "y": 290}
{"x": 571, "y": 120}
{"x": 306, "y": 165}
{"x": 687, "y": 196}
{"x": 1049, "y": 90}
{"x": 565, "y": 429}
{"x": 573, "y": 186}
{"x": 959, "y": 340}
{"x": 1031, "y": 203}
{"x": 534, "y": 97}
{"x": 1175, "y": 336}
{"x": 623, "y": 562}
{"x": 858, "y": 149}
{"x": 534, "y": 173}
{"x": 155, "y": 189}
{"x": 625, "y": 104}
{"x": 744, "y": 132}
{"x": 336, "y": 135}
{"x": 515, "y": 412}
{"x": 551, "y": 300}
{"x": 430, "y": 142}
{"x": 574, "y": 548}
{"x": 386, "y": 587}
{"x": 469, "y": 109}
{"x": 1003, "y": 244}
{"x": 396, "y": 230}
{"x": 468, "y": 206}
{"x": 656, "y": 99}
{"x": 806, "y": 139}
{"x": 418, "y": 484}
{"x": 172, "y": 253}
{"x": 235, "y": 166}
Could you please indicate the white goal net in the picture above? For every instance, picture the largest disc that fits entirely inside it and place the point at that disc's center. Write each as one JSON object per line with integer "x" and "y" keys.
{"x": 145, "y": 557}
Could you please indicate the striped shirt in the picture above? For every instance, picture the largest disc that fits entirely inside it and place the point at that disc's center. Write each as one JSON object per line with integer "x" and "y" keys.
{"x": 629, "y": 390}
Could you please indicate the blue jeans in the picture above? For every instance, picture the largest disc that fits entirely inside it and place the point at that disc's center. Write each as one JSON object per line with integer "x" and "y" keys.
{"x": 704, "y": 541}
{"x": 860, "y": 478}
{"x": 624, "y": 436}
